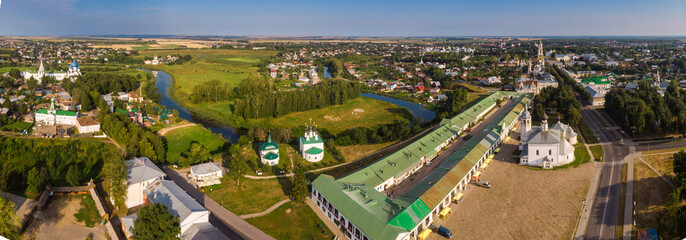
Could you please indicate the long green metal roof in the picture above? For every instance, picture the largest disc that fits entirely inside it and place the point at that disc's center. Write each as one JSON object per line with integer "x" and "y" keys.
{"x": 380, "y": 217}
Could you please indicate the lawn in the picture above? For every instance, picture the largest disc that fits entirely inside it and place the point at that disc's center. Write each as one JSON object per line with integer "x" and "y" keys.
{"x": 179, "y": 140}
{"x": 359, "y": 112}
{"x": 587, "y": 133}
{"x": 87, "y": 214}
{"x": 17, "y": 127}
{"x": 580, "y": 157}
{"x": 252, "y": 196}
{"x": 352, "y": 153}
{"x": 597, "y": 151}
{"x": 292, "y": 221}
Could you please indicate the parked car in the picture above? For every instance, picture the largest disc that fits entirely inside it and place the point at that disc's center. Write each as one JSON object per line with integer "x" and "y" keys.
{"x": 483, "y": 183}
{"x": 444, "y": 232}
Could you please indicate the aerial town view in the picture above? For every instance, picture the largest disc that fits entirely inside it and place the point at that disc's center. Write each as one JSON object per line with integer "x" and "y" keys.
{"x": 403, "y": 120}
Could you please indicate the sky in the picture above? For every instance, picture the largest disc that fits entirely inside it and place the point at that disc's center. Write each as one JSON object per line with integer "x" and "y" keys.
{"x": 344, "y": 18}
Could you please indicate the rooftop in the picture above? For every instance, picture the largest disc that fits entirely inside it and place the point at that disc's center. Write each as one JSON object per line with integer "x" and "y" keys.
{"x": 205, "y": 168}
{"x": 141, "y": 169}
{"x": 176, "y": 199}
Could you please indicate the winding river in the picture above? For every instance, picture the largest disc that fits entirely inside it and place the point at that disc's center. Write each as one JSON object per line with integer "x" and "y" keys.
{"x": 163, "y": 82}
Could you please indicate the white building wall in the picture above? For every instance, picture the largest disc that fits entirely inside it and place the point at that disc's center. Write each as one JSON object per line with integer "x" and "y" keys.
{"x": 135, "y": 195}
{"x": 193, "y": 218}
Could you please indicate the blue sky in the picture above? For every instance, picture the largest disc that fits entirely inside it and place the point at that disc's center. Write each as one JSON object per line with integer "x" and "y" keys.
{"x": 344, "y": 18}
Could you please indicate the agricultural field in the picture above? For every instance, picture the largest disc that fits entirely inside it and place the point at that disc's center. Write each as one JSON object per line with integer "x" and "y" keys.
{"x": 179, "y": 140}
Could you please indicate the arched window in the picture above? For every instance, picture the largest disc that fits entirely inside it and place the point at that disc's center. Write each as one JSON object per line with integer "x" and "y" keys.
{"x": 550, "y": 152}
{"x": 536, "y": 152}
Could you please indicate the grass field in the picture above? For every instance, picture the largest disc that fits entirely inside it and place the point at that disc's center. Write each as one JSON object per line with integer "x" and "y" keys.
{"x": 179, "y": 140}
{"x": 360, "y": 112}
{"x": 226, "y": 66}
{"x": 252, "y": 196}
{"x": 352, "y": 153}
{"x": 292, "y": 221}
{"x": 597, "y": 151}
{"x": 88, "y": 214}
{"x": 587, "y": 133}
{"x": 650, "y": 191}
{"x": 17, "y": 127}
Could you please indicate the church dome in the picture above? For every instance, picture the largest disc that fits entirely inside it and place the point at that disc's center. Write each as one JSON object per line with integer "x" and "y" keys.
{"x": 545, "y": 116}
{"x": 74, "y": 64}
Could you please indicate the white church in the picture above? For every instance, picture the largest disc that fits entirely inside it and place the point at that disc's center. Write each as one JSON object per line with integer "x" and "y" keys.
{"x": 269, "y": 152}
{"x": 311, "y": 145}
{"x": 546, "y": 147}
{"x": 73, "y": 71}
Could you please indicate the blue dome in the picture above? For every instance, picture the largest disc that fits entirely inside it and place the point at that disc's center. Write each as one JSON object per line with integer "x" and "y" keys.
{"x": 74, "y": 64}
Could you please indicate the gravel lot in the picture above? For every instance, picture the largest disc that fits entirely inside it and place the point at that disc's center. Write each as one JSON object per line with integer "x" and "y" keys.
{"x": 57, "y": 221}
{"x": 523, "y": 203}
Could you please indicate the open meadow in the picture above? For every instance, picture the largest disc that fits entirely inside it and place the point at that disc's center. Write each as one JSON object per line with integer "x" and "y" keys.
{"x": 179, "y": 140}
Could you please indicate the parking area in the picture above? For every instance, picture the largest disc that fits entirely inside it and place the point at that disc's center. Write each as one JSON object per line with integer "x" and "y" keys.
{"x": 523, "y": 203}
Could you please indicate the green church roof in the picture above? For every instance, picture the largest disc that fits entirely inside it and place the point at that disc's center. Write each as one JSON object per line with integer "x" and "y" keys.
{"x": 311, "y": 141}
{"x": 58, "y": 112}
{"x": 268, "y": 146}
{"x": 314, "y": 151}
{"x": 271, "y": 156}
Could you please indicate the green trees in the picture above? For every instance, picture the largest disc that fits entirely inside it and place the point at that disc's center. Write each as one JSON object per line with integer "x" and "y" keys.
{"x": 197, "y": 153}
{"x": 114, "y": 176}
{"x": 9, "y": 223}
{"x": 155, "y": 222}
{"x": 680, "y": 168}
{"x": 299, "y": 189}
{"x": 37, "y": 179}
{"x": 136, "y": 140}
{"x": 15, "y": 73}
{"x": 262, "y": 104}
{"x": 33, "y": 163}
{"x": 456, "y": 100}
{"x": 73, "y": 178}
{"x": 235, "y": 163}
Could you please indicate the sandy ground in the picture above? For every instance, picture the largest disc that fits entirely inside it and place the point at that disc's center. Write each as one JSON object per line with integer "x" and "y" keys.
{"x": 522, "y": 203}
{"x": 57, "y": 221}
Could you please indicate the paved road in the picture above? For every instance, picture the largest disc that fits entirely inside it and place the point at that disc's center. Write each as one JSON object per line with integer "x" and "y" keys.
{"x": 604, "y": 214}
{"x": 661, "y": 146}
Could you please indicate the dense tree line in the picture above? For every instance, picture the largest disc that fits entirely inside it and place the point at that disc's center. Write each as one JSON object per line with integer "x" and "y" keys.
{"x": 136, "y": 140}
{"x": 384, "y": 133}
{"x": 103, "y": 83}
{"x": 31, "y": 164}
{"x": 275, "y": 104}
{"x": 645, "y": 110}
{"x": 454, "y": 104}
{"x": 674, "y": 218}
{"x": 565, "y": 79}
{"x": 562, "y": 99}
